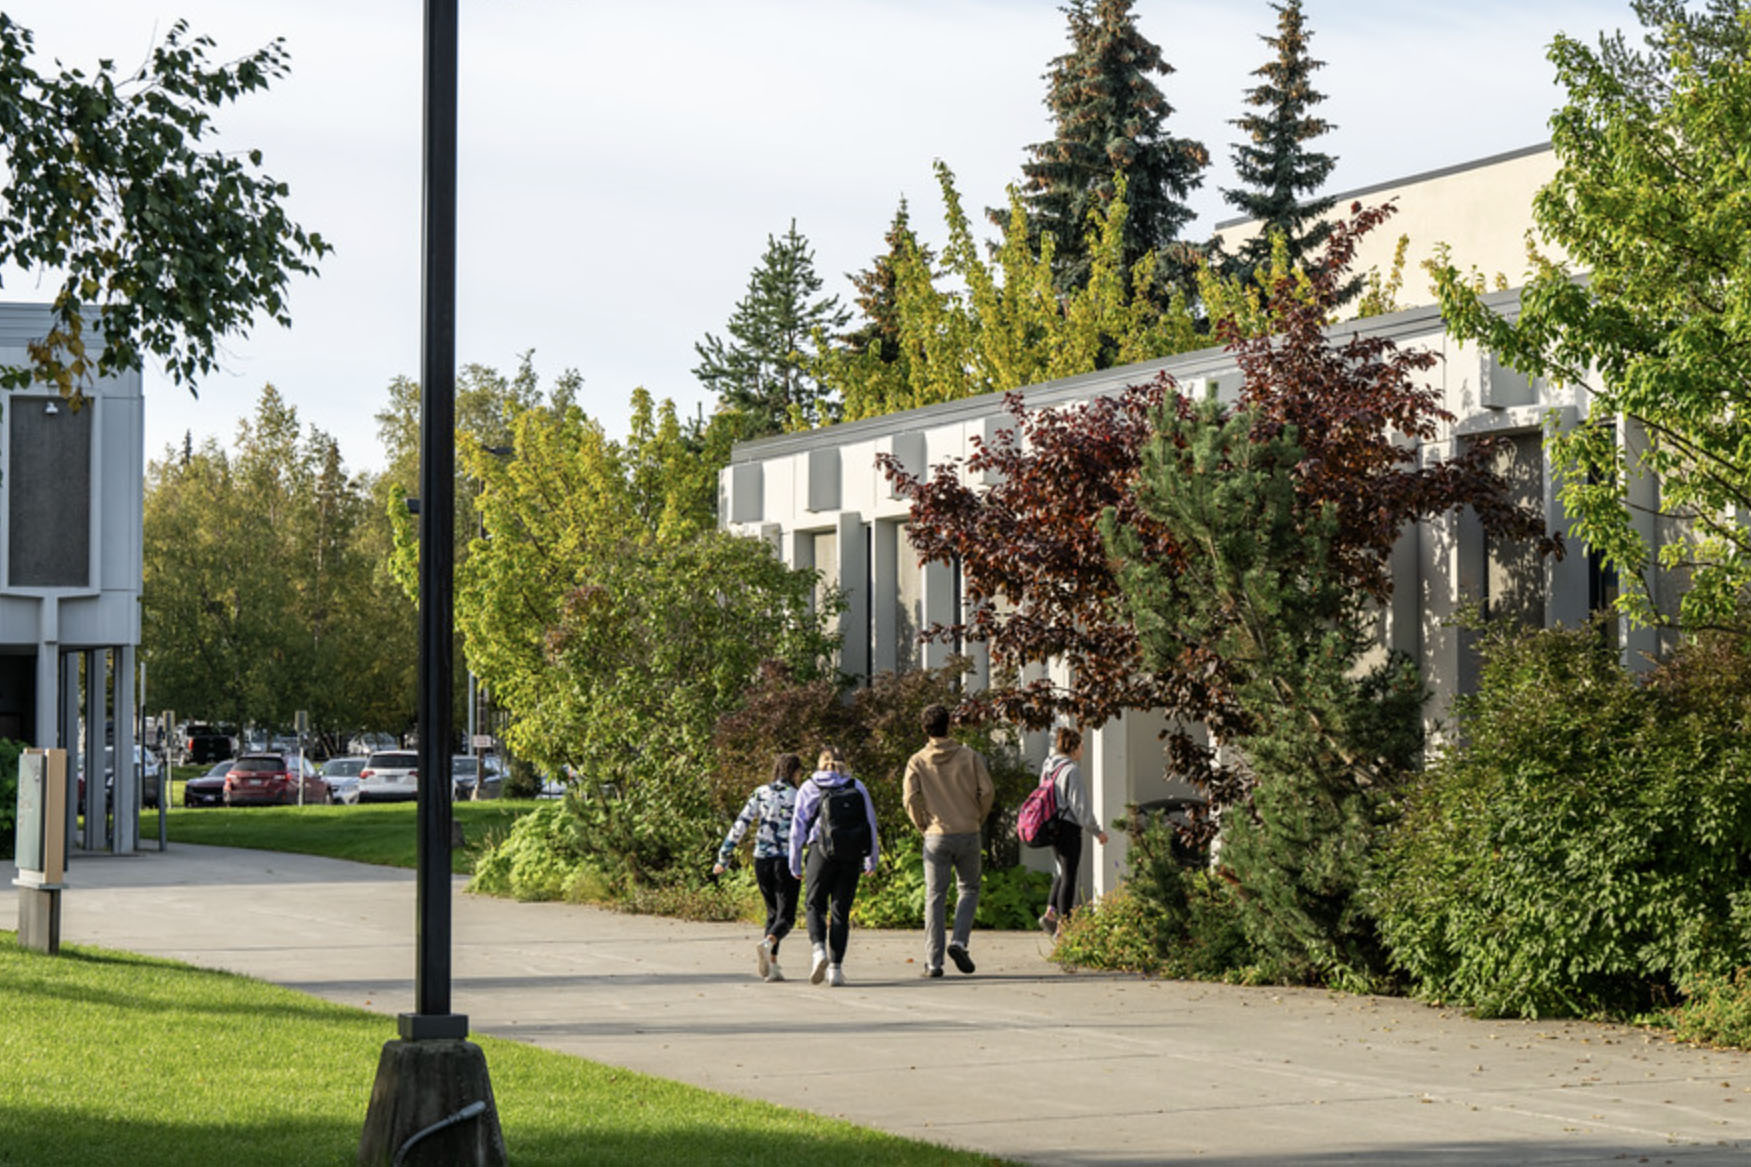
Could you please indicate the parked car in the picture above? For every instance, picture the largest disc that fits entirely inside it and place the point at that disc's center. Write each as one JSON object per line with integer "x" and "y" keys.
{"x": 151, "y": 783}
{"x": 466, "y": 772}
{"x": 209, "y": 788}
{"x": 342, "y": 776}
{"x": 273, "y": 778}
{"x": 390, "y": 776}
{"x": 203, "y": 743}
{"x": 371, "y": 743}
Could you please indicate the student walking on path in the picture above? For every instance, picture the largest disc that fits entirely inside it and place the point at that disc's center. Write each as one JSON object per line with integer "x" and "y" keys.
{"x": 948, "y": 793}
{"x": 836, "y": 821}
{"x": 772, "y": 806}
{"x": 1074, "y": 816}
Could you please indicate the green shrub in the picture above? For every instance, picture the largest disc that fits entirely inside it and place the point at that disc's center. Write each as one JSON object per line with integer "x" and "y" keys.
{"x": 1716, "y": 1010}
{"x": 9, "y": 752}
{"x": 1119, "y": 931}
{"x": 539, "y": 859}
{"x": 734, "y": 896}
{"x": 1203, "y": 931}
{"x": 521, "y": 780}
{"x": 1172, "y": 916}
{"x": 1586, "y": 850}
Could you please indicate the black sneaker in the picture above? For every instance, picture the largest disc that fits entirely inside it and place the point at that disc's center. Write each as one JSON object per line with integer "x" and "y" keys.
{"x": 929, "y": 973}
{"x": 959, "y": 955}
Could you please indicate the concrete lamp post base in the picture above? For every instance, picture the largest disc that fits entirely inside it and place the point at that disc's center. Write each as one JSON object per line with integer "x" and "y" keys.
{"x": 432, "y": 1106}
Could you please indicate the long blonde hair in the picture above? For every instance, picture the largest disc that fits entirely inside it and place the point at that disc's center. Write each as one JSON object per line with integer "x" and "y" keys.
{"x": 832, "y": 759}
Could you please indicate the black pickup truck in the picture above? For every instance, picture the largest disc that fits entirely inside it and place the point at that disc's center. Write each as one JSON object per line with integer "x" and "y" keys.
{"x": 203, "y": 743}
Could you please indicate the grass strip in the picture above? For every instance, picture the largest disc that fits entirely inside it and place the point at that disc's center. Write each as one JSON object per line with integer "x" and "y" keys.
{"x": 382, "y": 833}
{"x": 112, "y": 1057}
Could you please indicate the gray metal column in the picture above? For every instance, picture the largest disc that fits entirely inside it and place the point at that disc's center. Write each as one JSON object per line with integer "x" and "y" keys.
{"x": 96, "y": 681}
{"x": 67, "y": 736}
{"x": 48, "y": 674}
{"x": 127, "y": 775}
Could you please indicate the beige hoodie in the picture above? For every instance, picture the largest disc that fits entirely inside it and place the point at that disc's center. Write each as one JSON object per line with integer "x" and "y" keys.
{"x": 948, "y": 790}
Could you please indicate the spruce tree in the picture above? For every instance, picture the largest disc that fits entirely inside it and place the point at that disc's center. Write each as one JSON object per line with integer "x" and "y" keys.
{"x": 878, "y": 295}
{"x": 1276, "y": 164}
{"x": 1110, "y": 119}
{"x": 763, "y": 370}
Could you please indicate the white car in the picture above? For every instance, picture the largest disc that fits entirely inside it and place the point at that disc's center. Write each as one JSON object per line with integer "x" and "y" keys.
{"x": 390, "y": 776}
{"x": 342, "y": 776}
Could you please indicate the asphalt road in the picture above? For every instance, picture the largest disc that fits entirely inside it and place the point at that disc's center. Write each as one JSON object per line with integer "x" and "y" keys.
{"x": 1020, "y": 1060}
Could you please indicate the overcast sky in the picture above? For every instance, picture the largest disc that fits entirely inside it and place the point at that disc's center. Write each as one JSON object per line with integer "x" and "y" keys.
{"x": 622, "y": 164}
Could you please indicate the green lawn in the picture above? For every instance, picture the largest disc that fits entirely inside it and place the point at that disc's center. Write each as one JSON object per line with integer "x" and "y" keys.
{"x": 381, "y": 833}
{"x": 108, "y": 1057}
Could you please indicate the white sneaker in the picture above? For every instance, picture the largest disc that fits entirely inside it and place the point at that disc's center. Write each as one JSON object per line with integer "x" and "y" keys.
{"x": 835, "y": 976}
{"x": 819, "y": 972}
{"x": 763, "y": 957}
{"x": 773, "y": 972}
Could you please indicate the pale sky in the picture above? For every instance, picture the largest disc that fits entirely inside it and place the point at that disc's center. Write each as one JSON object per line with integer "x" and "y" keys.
{"x": 622, "y": 164}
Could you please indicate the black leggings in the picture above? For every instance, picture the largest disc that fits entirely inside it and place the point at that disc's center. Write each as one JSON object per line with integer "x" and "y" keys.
{"x": 1067, "y": 847}
{"x": 831, "y": 886}
{"x": 779, "y": 889}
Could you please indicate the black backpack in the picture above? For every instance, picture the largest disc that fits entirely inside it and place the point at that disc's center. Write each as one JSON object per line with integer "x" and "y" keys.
{"x": 844, "y": 824}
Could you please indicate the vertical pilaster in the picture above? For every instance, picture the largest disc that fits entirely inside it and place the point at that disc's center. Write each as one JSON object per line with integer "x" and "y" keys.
{"x": 1106, "y": 758}
{"x": 1641, "y": 646}
{"x": 1450, "y": 564}
{"x": 854, "y": 623}
{"x": 885, "y": 596}
{"x": 938, "y": 584}
{"x": 1565, "y": 580}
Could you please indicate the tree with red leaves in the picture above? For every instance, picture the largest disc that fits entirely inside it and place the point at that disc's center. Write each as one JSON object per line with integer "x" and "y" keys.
{"x": 1041, "y": 586}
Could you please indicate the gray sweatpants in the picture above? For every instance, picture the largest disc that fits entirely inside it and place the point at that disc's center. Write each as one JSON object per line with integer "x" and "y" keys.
{"x": 941, "y": 852}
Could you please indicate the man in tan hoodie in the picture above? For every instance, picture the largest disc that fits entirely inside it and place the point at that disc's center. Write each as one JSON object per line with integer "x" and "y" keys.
{"x": 948, "y": 793}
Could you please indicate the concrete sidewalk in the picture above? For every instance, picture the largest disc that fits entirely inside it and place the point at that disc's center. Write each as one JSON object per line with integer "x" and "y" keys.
{"x": 1020, "y": 1060}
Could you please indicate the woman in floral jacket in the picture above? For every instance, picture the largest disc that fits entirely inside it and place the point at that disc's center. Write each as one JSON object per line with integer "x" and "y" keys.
{"x": 772, "y": 807}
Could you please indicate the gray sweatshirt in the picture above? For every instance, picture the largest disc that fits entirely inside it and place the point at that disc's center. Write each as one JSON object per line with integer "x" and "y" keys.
{"x": 1071, "y": 792}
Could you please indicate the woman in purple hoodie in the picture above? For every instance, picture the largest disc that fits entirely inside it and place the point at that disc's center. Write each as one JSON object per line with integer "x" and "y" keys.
{"x": 836, "y": 821}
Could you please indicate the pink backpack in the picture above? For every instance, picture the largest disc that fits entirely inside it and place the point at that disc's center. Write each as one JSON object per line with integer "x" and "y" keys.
{"x": 1037, "y": 822}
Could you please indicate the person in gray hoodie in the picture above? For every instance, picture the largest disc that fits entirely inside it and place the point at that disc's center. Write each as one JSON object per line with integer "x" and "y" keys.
{"x": 1074, "y": 817}
{"x": 948, "y": 793}
{"x": 840, "y": 836}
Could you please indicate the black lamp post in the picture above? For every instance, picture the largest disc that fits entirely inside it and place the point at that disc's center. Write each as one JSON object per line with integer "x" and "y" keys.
{"x": 432, "y": 1100}
{"x": 433, "y": 1018}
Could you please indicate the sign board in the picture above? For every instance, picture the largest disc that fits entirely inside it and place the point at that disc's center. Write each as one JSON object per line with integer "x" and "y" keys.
{"x": 41, "y": 849}
{"x": 303, "y": 722}
{"x": 482, "y": 741}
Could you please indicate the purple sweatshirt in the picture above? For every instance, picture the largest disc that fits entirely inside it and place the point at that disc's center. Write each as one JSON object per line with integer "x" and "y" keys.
{"x": 805, "y": 827}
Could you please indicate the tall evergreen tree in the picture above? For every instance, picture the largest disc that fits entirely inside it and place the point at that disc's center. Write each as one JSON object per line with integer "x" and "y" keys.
{"x": 1110, "y": 119}
{"x": 763, "y": 370}
{"x": 878, "y": 298}
{"x": 1276, "y": 164}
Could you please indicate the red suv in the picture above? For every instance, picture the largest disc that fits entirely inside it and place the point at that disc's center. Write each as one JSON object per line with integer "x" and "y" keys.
{"x": 268, "y": 778}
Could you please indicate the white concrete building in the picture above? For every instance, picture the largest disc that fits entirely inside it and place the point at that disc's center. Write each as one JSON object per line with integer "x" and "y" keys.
{"x": 71, "y": 493}
{"x": 818, "y": 498}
